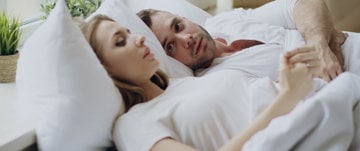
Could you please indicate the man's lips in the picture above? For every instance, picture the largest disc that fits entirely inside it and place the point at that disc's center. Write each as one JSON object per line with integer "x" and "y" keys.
{"x": 199, "y": 46}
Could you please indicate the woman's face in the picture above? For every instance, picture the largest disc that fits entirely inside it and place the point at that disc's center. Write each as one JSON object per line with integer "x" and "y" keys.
{"x": 123, "y": 54}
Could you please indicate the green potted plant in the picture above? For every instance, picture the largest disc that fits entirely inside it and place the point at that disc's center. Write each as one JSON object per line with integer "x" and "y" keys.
{"x": 9, "y": 39}
{"x": 78, "y": 8}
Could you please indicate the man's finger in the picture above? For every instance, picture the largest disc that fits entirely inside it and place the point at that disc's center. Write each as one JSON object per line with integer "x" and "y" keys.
{"x": 333, "y": 75}
{"x": 314, "y": 71}
{"x": 298, "y": 50}
{"x": 304, "y": 57}
{"x": 313, "y": 63}
{"x": 339, "y": 71}
{"x": 325, "y": 76}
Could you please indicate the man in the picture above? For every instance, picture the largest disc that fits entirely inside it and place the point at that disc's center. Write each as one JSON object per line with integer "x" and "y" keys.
{"x": 193, "y": 46}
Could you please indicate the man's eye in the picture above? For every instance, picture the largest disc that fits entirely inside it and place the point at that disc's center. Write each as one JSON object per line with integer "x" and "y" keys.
{"x": 121, "y": 43}
{"x": 170, "y": 47}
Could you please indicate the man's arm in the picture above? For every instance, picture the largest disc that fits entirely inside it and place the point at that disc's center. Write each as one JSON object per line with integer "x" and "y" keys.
{"x": 313, "y": 20}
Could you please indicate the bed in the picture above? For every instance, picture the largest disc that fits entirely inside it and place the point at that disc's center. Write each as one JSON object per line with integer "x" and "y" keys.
{"x": 63, "y": 94}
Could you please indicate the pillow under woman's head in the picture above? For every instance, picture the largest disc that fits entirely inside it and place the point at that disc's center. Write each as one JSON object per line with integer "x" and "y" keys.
{"x": 117, "y": 10}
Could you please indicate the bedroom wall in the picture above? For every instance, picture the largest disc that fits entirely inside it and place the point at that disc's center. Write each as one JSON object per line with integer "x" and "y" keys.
{"x": 204, "y": 4}
{"x": 346, "y": 13}
{"x": 249, "y": 3}
{"x": 24, "y": 8}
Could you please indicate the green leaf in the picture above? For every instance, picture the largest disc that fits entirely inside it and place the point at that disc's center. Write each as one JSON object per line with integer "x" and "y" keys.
{"x": 9, "y": 34}
{"x": 77, "y": 7}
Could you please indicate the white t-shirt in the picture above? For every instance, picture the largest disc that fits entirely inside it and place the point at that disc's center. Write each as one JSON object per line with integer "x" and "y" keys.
{"x": 271, "y": 24}
{"x": 267, "y": 23}
{"x": 194, "y": 111}
{"x": 257, "y": 61}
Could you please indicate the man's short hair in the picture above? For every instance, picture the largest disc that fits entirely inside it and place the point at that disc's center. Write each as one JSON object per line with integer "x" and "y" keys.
{"x": 145, "y": 15}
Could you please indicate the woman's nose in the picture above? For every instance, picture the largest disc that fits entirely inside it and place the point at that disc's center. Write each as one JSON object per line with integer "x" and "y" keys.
{"x": 140, "y": 40}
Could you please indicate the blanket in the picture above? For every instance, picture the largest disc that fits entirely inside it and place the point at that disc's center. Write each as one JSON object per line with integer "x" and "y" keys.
{"x": 329, "y": 120}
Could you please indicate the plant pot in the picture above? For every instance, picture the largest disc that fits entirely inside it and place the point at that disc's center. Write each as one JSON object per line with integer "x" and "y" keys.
{"x": 8, "y": 68}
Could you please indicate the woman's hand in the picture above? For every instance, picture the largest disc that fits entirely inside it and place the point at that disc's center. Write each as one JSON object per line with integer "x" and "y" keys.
{"x": 306, "y": 55}
{"x": 295, "y": 79}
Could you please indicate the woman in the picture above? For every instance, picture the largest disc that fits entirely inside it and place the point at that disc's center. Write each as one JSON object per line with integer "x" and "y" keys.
{"x": 135, "y": 72}
{"x": 130, "y": 65}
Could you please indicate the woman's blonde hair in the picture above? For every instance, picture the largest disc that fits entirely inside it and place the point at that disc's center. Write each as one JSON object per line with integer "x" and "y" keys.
{"x": 131, "y": 93}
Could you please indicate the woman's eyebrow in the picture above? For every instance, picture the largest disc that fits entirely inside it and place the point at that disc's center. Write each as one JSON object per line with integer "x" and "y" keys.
{"x": 116, "y": 34}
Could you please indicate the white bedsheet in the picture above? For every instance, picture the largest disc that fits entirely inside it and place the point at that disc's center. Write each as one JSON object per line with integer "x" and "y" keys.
{"x": 327, "y": 121}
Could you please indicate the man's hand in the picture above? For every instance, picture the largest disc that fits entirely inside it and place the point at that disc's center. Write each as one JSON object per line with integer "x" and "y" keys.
{"x": 330, "y": 64}
{"x": 331, "y": 56}
{"x": 313, "y": 20}
{"x": 337, "y": 40}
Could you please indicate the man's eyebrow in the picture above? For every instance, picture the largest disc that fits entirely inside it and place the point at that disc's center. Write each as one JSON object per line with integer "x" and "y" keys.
{"x": 163, "y": 43}
{"x": 172, "y": 24}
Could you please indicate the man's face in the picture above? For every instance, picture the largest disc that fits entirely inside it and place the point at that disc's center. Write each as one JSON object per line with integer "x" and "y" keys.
{"x": 183, "y": 40}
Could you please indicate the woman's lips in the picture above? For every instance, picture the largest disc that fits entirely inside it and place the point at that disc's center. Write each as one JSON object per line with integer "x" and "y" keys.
{"x": 146, "y": 53}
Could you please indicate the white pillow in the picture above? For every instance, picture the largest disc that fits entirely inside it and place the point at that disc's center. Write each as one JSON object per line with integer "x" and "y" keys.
{"x": 117, "y": 10}
{"x": 137, "y": 5}
{"x": 181, "y": 8}
{"x": 62, "y": 85}
{"x": 204, "y": 4}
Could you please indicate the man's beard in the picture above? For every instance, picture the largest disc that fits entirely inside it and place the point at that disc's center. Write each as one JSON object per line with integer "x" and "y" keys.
{"x": 206, "y": 60}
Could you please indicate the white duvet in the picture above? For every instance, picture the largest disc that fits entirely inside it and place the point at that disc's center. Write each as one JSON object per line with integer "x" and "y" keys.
{"x": 199, "y": 113}
{"x": 327, "y": 121}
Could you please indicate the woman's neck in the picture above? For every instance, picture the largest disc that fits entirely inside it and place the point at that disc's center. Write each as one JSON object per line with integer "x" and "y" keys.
{"x": 151, "y": 90}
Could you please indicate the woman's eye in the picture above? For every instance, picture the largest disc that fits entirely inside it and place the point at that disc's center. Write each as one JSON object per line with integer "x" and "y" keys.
{"x": 121, "y": 43}
{"x": 177, "y": 27}
{"x": 170, "y": 47}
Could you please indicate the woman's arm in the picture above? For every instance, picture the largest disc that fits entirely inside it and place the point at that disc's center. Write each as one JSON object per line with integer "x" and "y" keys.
{"x": 282, "y": 105}
{"x": 167, "y": 144}
{"x": 296, "y": 83}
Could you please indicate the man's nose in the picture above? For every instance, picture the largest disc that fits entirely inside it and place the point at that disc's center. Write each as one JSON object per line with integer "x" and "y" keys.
{"x": 187, "y": 40}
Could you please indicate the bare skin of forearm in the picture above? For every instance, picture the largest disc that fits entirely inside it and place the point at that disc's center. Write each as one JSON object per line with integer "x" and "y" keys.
{"x": 280, "y": 106}
{"x": 313, "y": 20}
